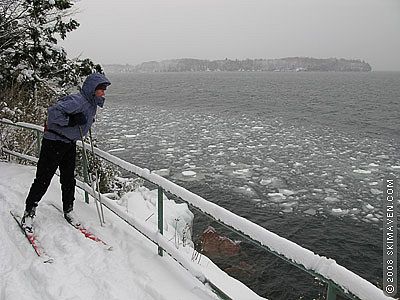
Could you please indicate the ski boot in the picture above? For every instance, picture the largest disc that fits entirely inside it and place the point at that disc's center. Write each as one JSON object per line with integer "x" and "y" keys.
{"x": 72, "y": 218}
{"x": 27, "y": 220}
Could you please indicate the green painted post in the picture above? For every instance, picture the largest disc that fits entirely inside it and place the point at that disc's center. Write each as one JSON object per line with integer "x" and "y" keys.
{"x": 331, "y": 294}
{"x": 85, "y": 176}
{"x": 160, "y": 216}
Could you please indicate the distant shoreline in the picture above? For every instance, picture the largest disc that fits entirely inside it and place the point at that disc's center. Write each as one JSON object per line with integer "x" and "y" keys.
{"x": 289, "y": 64}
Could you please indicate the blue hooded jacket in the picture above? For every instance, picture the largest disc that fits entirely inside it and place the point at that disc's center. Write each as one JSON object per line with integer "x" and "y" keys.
{"x": 83, "y": 102}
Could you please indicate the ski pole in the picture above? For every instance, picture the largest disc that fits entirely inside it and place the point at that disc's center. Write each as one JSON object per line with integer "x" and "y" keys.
{"x": 97, "y": 177}
{"x": 91, "y": 178}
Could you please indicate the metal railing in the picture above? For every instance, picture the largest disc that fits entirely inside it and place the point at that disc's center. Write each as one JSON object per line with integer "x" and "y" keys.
{"x": 338, "y": 279}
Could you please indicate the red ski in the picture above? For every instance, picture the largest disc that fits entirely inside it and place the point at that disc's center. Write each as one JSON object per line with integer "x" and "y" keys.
{"x": 91, "y": 236}
{"x": 88, "y": 234}
{"x": 33, "y": 240}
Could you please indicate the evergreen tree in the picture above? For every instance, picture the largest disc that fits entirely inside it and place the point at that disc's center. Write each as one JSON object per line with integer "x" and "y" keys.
{"x": 33, "y": 67}
{"x": 35, "y": 70}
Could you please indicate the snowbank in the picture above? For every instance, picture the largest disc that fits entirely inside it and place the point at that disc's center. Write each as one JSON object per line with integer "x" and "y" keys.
{"x": 85, "y": 270}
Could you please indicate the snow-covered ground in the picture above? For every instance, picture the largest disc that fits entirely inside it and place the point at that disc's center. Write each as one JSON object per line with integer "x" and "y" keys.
{"x": 83, "y": 269}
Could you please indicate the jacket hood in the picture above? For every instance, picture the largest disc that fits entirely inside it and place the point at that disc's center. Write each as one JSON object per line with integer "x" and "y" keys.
{"x": 89, "y": 87}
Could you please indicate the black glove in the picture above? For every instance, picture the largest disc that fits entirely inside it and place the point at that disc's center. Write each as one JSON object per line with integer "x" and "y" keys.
{"x": 77, "y": 119}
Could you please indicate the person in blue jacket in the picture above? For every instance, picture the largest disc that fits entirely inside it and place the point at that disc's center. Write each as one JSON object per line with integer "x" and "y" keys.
{"x": 65, "y": 120}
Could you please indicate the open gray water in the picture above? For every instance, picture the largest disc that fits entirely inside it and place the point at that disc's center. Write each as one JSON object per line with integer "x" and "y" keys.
{"x": 301, "y": 154}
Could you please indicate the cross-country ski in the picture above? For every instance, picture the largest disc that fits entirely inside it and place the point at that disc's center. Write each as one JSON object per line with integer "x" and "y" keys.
{"x": 32, "y": 239}
{"x": 86, "y": 232}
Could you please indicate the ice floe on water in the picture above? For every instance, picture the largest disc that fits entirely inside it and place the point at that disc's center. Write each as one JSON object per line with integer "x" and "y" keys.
{"x": 277, "y": 197}
{"x": 362, "y": 171}
{"x": 162, "y": 172}
{"x": 272, "y": 163}
{"x": 116, "y": 150}
{"x": 189, "y": 173}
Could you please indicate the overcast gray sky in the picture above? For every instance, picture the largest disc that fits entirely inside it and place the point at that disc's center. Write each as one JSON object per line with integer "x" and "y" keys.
{"x": 134, "y": 31}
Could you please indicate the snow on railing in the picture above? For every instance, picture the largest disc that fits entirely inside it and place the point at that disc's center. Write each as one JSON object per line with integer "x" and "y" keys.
{"x": 322, "y": 267}
{"x": 22, "y": 124}
{"x": 20, "y": 155}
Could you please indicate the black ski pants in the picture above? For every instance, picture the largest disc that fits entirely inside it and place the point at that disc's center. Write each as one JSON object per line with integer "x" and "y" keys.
{"x": 54, "y": 154}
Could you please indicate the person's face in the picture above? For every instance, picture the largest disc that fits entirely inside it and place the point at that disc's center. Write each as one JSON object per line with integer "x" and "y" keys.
{"x": 100, "y": 93}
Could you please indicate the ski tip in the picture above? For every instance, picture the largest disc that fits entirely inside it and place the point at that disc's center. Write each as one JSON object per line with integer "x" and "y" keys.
{"x": 109, "y": 248}
{"x": 14, "y": 213}
{"x": 17, "y": 217}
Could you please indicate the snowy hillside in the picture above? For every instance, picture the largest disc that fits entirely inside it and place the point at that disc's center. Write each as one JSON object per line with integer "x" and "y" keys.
{"x": 84, "y": 269}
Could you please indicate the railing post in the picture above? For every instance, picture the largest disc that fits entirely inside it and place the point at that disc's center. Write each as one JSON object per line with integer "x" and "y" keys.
{"x": 85, "y": 176}
{"x": 160, "y": 216}
{"x": 331, "y": 294}
{"x": 38, "y": 142}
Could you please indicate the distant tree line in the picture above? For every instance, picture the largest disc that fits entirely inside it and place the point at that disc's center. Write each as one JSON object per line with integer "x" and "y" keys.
{"x": 269, "y": 65}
